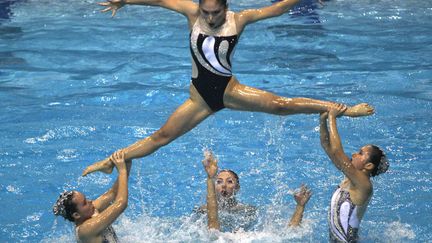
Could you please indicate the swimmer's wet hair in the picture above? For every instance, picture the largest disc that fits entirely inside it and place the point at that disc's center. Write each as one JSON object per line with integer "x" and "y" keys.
{"x": 379, "y": 159}
{"x": 64, "y": 206}
{"x": 222, "y": 2}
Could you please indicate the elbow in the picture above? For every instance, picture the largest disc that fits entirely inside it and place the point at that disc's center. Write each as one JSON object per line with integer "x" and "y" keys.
{"x": 122, "y": 204}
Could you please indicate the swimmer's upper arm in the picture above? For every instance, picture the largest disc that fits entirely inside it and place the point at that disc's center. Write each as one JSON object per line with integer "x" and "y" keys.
{"x": 324, "y": 134}
{"x": 185, "y": 7}
{"x": 358, "y": 178}
{"x": 96, "y": 224}
{"x": 102, "y": 202}
{"x": 249, "y": 16}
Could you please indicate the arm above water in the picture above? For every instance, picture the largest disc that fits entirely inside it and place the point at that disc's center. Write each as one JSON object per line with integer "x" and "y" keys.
{"x": 210, "y": 166}
{"x": 95, "y": 225}
{"x": 102, "y": 202}
{"x": 358, "y": 179}
{"x": 301, "y": 197}
{"x": 186, "y": 7}
{"x": 249, "y": 16}
{"x": 324, "y": 133}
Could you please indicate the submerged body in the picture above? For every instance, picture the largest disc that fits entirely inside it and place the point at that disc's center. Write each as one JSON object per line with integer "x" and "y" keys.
{"x": 223, "y": 210}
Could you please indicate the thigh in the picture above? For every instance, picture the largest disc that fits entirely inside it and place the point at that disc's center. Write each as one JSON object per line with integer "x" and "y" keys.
{"x": 185, "y": 117}
{"x": 241, "y": 97}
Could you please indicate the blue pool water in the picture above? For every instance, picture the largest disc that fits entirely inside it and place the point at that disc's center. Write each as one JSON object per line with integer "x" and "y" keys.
{"x": 75, "y": 85}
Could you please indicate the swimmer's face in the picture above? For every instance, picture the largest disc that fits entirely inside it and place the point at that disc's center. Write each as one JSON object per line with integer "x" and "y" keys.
{"x": 361, "y": 159}
{"x": 226, "y": 184}
{"x": 213, "y": 12}
{"x": 85, "y": 208}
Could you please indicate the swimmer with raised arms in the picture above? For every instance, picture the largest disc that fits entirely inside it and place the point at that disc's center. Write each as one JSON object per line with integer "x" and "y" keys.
{"x": 351, "y": 198}
{"x": 222, "y": 188}
{"x": 93, "y": 219}
{"x": 214, "y": 33}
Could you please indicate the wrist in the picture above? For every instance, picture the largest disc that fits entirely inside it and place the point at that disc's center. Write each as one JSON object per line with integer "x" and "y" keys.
{"x": 300, "y": 206}
{"x": 122, "y": 169}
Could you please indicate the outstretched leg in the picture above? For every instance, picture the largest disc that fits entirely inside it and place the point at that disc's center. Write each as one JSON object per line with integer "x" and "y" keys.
{"x": 186, "y": 117}
{"x": 241, "y": 97}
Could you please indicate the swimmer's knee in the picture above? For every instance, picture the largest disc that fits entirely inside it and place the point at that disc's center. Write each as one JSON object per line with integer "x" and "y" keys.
{"x": 282, "y": 106}
{"x": 162, "y": 137}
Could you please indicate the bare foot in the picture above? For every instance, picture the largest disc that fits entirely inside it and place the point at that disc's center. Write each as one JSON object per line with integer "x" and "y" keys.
{"x": 105, "y": 166}
{"x": 362, "y": 109}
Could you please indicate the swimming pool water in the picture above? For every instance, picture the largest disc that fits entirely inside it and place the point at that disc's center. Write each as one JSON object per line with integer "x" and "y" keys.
{"x": 75, "y": 85}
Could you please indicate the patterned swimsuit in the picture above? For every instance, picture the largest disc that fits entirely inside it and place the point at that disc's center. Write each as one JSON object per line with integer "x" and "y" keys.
{"x": 211, "y": 51}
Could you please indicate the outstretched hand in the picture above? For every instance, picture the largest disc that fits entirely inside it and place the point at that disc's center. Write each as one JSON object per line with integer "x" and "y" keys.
{"x": 303, "y": 195}
{"x": 112, "y": 5}
{"x": 210, "y": 164}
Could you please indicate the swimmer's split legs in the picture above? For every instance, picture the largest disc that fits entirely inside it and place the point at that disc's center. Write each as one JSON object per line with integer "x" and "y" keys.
{"x": 191, "y": 113}
{"x": 184, "y": 118}
{"x": 241, "y": 97}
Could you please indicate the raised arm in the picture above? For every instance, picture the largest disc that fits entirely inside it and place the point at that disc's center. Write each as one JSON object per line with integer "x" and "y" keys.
{"x": 95, "y": 225}
{"x": 338, "y": 156}
{"x": 186, "y": 7}
{"x": 102, "y": 202}
{"x": 249, "y": 16}
{"x": 210, "y": 166}
{"x": 301, "y": 197}
{"x": 324, "y": 134}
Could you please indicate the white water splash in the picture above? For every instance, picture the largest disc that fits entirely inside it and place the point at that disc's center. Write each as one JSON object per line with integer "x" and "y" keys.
{"x": 62, "y": 132}
{"x": 399, "y": 232}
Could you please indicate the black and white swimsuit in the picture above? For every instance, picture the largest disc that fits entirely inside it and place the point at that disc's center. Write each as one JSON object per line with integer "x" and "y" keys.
{"x": 343, "y": 218}
{"x": 211, "y": 51}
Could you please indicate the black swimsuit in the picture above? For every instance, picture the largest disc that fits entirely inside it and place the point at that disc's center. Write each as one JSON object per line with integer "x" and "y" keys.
{"x": 211, "y": 52}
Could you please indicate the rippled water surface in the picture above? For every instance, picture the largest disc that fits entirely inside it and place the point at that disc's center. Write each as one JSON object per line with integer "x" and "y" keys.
{"x": 75, "y": 85}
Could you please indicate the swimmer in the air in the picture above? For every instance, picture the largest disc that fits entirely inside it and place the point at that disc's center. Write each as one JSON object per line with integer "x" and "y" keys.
{"x": 214, "y": 31}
